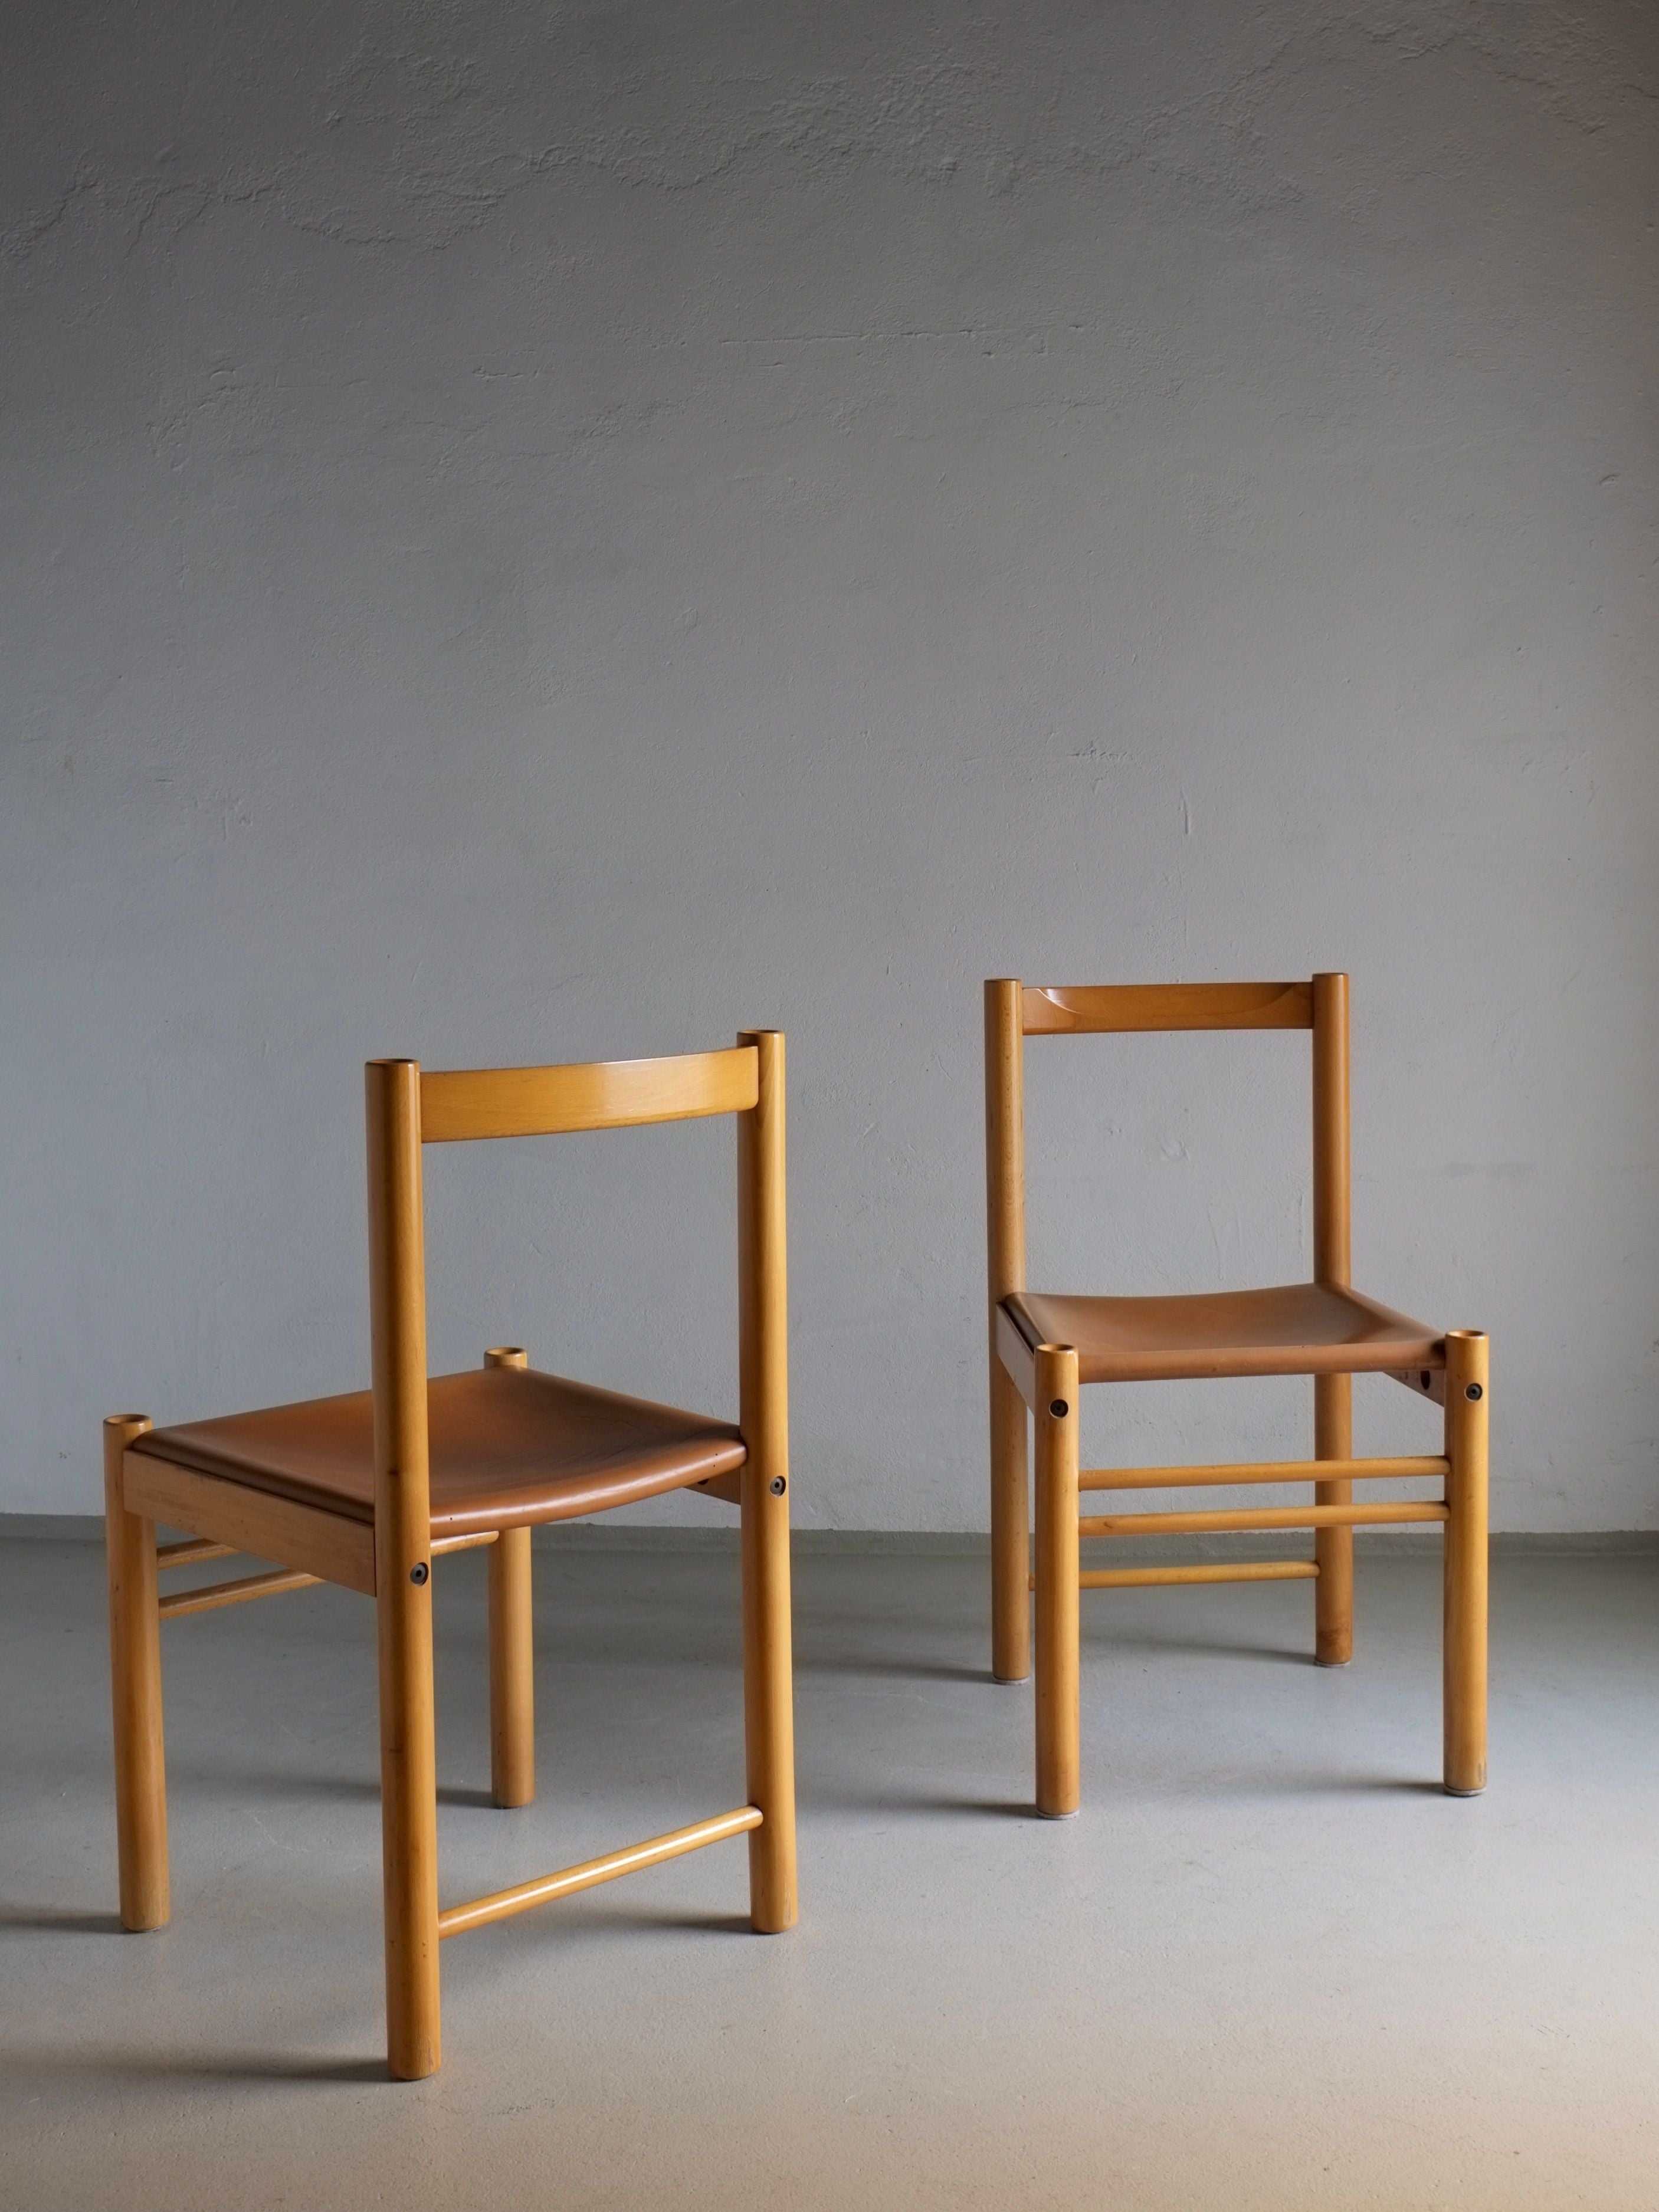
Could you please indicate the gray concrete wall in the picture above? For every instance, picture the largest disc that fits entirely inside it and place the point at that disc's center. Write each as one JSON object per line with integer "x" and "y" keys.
{"x": 546, "y": 533}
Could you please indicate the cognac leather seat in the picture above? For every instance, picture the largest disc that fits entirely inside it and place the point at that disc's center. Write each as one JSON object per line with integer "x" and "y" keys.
{"x": 1292, "y": 1328}
{"x": 509, "y": 1447}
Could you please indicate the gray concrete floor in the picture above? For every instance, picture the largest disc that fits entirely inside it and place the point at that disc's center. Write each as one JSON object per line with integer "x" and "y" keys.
{"x": 1269, "y": 1965}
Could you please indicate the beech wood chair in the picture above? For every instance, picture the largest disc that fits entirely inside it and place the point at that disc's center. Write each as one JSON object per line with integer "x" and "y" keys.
{"x": 368, "y": 1490}
{"x": 1044, "y": 1347}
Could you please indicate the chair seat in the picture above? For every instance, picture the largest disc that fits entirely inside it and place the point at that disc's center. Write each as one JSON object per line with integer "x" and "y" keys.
{"x": 509, "y": 1447}
{"x": 1292, "y": 1328}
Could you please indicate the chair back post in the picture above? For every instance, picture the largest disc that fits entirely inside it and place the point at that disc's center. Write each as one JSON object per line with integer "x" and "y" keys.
{"x": 1333, "y": 1216}
{"x": 1333, "y": 1262}
{"x": 1005, "y": 1259}
{"x": 402, "y": 1557}
{"x": 763, "y": 1417}
{"x": 1005, "y": 1138}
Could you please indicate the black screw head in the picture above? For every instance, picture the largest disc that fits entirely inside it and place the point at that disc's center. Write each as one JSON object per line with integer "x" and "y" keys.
{"x": 1059, "y": 1408}
{"x": 777, "y": 1486}
{"x": 418, "y": 1572}
{"x": 1472, "y": 1390}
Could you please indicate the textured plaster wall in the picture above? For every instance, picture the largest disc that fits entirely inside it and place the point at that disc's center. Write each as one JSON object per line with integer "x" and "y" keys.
{"x": 543, "y": 532}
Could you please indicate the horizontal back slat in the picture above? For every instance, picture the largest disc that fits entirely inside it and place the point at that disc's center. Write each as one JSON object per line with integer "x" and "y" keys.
{"x": 461, "y": 1103}
{"x": 1085, "y": 1009}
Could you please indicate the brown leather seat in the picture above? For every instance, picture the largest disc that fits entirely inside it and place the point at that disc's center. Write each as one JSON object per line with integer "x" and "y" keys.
{"x": 509, "y": 1447}
{"x": 1292, "y": 1328}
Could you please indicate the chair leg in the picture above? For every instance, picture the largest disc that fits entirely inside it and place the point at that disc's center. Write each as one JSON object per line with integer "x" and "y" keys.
{"x": 512, "y": 1670}
{"x": 409, "y": 1824}
{"x": 1010, "y": 1509}
{"x": 134, "y": 1651}
{"x": 1059, "y": 1753}
{"x": 1334, "y": 1547}
{"x": 769, "y": 1697}
{"x": 1467, "y": 1417}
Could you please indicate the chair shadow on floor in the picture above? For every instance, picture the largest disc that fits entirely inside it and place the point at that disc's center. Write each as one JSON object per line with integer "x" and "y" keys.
{"x": 1105, "y": 1643}
{"x": 1341, "y": 1785}
{"x": 1119, "y": 1646}
{"x": 914, "y": 1670}
{"x": 1008, "y": 1808}
{"x": 561, "y": 1925}
{"x": 921, "y": 1804}
{"x": 262, "y": 1781}
{"x": 67, "y": 2066}
{"x": 57, "y": 1920}
{"x": 979, "y": 1809}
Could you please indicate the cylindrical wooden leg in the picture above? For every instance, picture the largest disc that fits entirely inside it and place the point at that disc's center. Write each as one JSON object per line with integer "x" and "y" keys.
{"x": 1468, "y": 1402}
{"x": 1334, "y": 1547}
{"x": 409, "y": 1817}
{"x": 134, "y": 1653}
{"x": 768, "y": 1701}
{"x": 402, "y": 1565}
{"x": 512, "y": 1670}
{"x": 1059, "y": 1753}
{"x": 1010, "y": 1531}
{"x": 512, "y": 1648}
{"x": 763, "y": 1393}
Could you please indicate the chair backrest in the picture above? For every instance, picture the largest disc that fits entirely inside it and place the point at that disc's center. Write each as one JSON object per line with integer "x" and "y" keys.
{"x": 460, "y": 1103}
{"x": 1015, "y": 1011}
{"x": 409, "y": 1106}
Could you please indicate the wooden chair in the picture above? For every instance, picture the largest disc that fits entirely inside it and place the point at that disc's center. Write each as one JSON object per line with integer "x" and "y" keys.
{"x": 1045, "y": 1347}
{"x": 365, "y": 1491}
